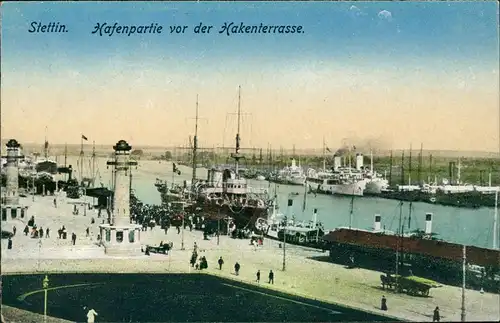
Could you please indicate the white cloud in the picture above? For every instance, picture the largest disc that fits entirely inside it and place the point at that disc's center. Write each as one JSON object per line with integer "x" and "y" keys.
{"x": 355, "y": 11}
{"x": 386, "y": 15}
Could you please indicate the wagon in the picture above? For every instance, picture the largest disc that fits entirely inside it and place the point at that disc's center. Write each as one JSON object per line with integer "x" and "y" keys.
{"x": 164, "y": 248}
{"x": 412, "y": 285}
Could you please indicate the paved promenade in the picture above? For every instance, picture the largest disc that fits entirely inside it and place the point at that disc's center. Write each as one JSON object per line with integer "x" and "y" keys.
{"x": 357, "y": 288}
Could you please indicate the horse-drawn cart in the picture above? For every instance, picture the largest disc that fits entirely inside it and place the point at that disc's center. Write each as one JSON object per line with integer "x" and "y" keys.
{"x": 162, "y": 248}
{"x": 412, "y": 285}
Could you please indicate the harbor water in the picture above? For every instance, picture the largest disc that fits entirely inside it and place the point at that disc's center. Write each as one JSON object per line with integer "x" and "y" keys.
{"x": 459, "y": 225}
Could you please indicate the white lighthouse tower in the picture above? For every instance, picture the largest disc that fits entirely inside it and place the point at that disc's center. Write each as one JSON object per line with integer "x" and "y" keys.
{"x": 120, "y": 237}
{"x": 11, "y": 209}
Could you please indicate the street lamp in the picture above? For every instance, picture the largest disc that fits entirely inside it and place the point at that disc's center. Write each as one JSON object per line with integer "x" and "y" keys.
{"x": 290, "y": 204}
{"x": 218, "y": 225}
{"x": 182, "y": 233}
{"x": 45, "y": 285}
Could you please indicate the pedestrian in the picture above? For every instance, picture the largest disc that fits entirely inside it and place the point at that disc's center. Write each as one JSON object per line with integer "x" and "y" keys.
{"x": 383, "y": 304}
{"x": 14, "y": 230}
{"x": 436, "y": 317}
{"x": 91, "y": 314}
{"x": 47, "y": 233}
{"x": 237, "y": 269}
{"x": 9, "y": 244}
{"x": 40, "y": 234}
{"x": 73, "y": 238}
{"x": 178, "y": 229}
{"x": 258, "y": 276}
{"x": 271, "y": 277}
{"x": 55, "y": 202}
{"x": 87, "y": 231}
{"x": 195, "y": 247}
{"x": 221, "y": 262}
{"x": 26, "y": 230}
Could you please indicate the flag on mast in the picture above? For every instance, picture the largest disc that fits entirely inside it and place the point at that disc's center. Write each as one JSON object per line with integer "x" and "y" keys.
{"x": 84, "y": 138}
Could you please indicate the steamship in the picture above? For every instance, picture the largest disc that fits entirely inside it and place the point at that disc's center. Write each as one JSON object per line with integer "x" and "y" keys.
{"x": 223, "y": 195}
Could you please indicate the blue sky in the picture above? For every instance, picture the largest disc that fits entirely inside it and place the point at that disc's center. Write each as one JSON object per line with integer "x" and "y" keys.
{"x": 430, "y": 70}
{"x": 418, "y": 30}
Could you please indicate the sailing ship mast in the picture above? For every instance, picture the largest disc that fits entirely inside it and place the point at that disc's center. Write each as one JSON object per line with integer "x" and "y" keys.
{"x": 495, "y": 222}
{"x": 195, "y": 144}
{"x": 46, "y": 146}
{"x": 409, "y": 167}
{"x": 236, "y": 155}
{"x": 390, "y": 169}
{"x": 81, "y": 159}
{"x": 65, "y": 154}
{"x": 93, "y": 164}
{"x": 324, "y": 155}
{"x": 419, "y": 174}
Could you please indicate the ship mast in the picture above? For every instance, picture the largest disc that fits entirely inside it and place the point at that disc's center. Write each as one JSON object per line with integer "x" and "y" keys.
{"x": 93, "y": 163}
{"x": 324, "y": 155}
{"x": 351, "y": 212}
{"x": 403, "y": 168}
{"x": 390, "y": 169}
{"x": 65, "y": 154}
{"x": 409, "y": 168}
{"x": 419, "y": 174}
{"x": 495, "y": 222}
{"x": 464, "y": 265}
{"x": 236, "y": 155}
{"x": 46, "y": 146}
{"x": 195, "y": 145}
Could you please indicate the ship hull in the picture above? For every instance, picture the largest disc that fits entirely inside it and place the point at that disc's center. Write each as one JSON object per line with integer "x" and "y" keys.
{"x": 350, "y": 189}
{"x": 243, "y": 217}
{"x": 375, "y": 187}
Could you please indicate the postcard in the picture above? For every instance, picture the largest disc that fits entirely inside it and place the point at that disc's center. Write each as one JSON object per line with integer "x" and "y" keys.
{"x": 248, "y": 161}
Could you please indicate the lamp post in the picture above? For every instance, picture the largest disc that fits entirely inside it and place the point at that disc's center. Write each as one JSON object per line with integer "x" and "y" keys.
{"x": 290, "y": 204}
{"x": 182, "y": 233}
{"x": 84, "y": 201}
{"x": 45, "y": 285}
{"x": 218, "y": 225}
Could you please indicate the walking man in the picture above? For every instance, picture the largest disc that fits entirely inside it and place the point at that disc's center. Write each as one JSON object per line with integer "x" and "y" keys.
{"x": 73, "y": 238}
{"x": 258, "y": 276}
{"x": 91, "y": 314}
{"x": 221, "y": 262}
{"x": 14, "y": 230}
{"x": 383, "y": 304}
{"x": 271, "y": 277}
{"x": 436, "y": 317}
{"x": 237, "y": 269}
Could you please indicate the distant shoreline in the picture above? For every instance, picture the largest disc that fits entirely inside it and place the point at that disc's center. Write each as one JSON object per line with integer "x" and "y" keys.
{"x": 106, "y": 150}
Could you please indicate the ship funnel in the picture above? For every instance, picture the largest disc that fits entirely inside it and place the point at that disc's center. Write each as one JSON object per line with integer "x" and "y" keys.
{"x": 315, "y": 218}
{"x": 359, "y": 161}
{"x": 376, "y": 225}
{"x": 337, "y": 162}
{"x": 428, "y": 223}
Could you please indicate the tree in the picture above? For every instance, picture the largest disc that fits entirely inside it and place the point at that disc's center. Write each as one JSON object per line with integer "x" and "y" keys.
{"x": 168, "y": 155}
{"x": 137, "y": 153}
